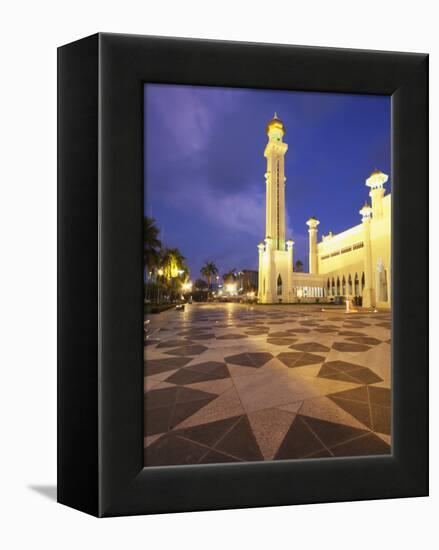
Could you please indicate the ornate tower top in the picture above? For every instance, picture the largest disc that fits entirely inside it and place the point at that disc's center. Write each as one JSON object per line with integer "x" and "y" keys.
{"x": 376, "y": 183}
{"x": 366, "y": 211}
{"x": 377, "y": 179}
{"x": 312, "y": 223}
{"x": 275, "y": 124}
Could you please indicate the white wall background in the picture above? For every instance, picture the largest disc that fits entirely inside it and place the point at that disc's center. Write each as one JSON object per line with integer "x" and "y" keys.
{"x": 29, "y": 33}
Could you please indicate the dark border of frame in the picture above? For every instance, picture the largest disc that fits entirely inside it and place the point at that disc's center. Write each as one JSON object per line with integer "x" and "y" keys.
{"x": 119, "y": 485}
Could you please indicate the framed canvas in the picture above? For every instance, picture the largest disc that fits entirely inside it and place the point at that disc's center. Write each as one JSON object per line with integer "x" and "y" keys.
{"x": 239, "y": 320}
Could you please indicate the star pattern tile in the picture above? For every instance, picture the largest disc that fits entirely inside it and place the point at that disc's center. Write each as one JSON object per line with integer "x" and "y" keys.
{"x": 255, "y": 360}
{"x": 299, "y": 359}
{"x": 349, "y": 372}
{"x": 349, "y": 346}
{"x": 310, "y": 346}
{"x": 232, "y": 336}
{"x": 371, "y": 405}
{"x": 187, "y": 349}
{"x": 233, "y": 383}
{"x": 201, "y": 372}
{"x": 281, "y": 341}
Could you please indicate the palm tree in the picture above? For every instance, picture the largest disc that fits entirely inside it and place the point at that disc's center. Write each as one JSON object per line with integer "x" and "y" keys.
{"x": 299, "y": 266}
{"x": 174, "y": 264}
{"x": 209, "y": 270}
{"x": 151, "y": 243}
{"x": 173, "y": 271}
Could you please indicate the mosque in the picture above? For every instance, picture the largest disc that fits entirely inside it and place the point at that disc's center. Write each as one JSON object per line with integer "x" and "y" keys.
{"x": 354, "y": 264}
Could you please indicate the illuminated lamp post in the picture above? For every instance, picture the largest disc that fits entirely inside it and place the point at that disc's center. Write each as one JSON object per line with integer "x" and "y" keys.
{"x": 160, "y": 274}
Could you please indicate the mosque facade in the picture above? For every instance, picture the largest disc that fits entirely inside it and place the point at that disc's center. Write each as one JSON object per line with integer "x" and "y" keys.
{"x": 354, "y": 264}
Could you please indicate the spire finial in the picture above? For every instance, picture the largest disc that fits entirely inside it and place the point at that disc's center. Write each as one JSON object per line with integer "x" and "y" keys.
{"x": 275, "y": 114}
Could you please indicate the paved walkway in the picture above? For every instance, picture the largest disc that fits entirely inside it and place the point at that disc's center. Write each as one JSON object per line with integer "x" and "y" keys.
{"x": 230, "y": 382}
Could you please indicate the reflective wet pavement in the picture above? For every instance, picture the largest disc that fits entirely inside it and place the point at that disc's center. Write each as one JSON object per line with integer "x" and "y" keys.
{"x": 231, "y": 382}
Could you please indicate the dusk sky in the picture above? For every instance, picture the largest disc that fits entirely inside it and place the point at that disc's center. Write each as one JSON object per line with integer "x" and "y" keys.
{"x": 204, "y": 166}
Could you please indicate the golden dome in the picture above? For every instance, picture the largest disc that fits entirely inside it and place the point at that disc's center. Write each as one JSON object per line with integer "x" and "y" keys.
{"x": 376, "y": 172}
{"x": 275, "y": 123}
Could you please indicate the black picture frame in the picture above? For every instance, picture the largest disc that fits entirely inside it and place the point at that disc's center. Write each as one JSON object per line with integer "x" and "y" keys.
{"x": 100, "y": 274}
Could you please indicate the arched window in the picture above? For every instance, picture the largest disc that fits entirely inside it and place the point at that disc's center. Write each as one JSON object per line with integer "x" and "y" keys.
{"x": 382, "y": 282}
{"x": 279, "y": 285}
{"x": 338, "y": 286}
{"x": 343, "y": 286}
{"x": 357, "y": 285}
{"x": 333, "y": 287}
{"x": 350, "y": 284}
{"x": 362, "y": 281}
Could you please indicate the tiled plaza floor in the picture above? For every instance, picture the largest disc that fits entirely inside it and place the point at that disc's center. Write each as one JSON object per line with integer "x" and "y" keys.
{"x": 230, "y": 382}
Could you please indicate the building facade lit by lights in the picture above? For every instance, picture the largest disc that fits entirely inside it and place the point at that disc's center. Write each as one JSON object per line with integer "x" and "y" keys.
{"x": 355, "y": 263}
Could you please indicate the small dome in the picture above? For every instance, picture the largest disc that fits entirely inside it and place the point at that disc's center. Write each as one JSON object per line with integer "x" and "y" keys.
{"x": 366, "y": 209}
{"x": 313, "y": 222}
{"x": 377, "y": 179}
{"x": 275, "y": 123}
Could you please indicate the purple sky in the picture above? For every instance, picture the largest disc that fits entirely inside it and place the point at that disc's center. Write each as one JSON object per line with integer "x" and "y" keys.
{"x": 204, "y": 166}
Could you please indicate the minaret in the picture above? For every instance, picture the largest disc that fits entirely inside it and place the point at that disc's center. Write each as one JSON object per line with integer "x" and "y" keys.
{"x": 275, "y": 183}
{"x": 312, "y": 223}
{"x": 261, "y": 249}
{"x": 268, "y": 279}
{"x": 275, "y": 254}
{"x": 376, "y": 183}
{"x": 368, "y": 294}
{"x": 290, "y": 260}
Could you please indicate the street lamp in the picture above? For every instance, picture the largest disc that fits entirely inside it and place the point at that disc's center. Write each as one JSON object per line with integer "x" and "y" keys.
{"x": 160, "y": 274}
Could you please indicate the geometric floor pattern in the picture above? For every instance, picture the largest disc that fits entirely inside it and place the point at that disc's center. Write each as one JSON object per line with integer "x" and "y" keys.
{"x": 231, "y": 382}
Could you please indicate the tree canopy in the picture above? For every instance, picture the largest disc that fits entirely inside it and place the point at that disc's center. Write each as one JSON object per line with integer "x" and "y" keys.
{"x": 151, "y": 243}
{"x": 209, "y": 270}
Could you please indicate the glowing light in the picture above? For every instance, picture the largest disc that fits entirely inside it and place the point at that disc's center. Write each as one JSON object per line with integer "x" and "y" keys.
{"x": 231, "y": 288}
{"x": 160, "y": 272}
{"x": 187, "y": 287}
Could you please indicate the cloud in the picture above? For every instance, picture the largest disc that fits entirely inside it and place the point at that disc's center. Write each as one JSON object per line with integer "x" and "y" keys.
{"x": 188, "y": 114}
{"x": 239, "y": 213}
{"x": 242, "y": 212}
